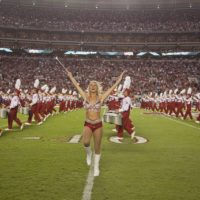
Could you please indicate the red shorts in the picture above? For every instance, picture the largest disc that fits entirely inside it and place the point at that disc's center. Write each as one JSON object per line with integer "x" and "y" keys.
{"x": 93, "y": 127}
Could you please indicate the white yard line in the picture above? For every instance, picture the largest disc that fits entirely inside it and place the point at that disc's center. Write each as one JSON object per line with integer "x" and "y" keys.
{"x": 89, "y": 183}
{"x": 178, "y": 122}
{"x": 75, "y": 139}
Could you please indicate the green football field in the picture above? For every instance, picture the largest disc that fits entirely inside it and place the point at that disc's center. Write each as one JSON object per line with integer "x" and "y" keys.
{"x": 167, "y": 167}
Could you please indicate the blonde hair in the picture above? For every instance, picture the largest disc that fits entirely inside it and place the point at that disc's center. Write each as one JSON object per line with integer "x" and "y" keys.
{"x": 99, "y": 87}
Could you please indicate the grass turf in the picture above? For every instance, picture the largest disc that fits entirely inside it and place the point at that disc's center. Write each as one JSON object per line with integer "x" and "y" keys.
{"x": 167, "y": 167}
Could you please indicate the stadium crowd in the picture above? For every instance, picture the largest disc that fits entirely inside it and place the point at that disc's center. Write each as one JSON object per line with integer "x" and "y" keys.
{"x": 104, "y": 21}
{"x": 147, "y": 75}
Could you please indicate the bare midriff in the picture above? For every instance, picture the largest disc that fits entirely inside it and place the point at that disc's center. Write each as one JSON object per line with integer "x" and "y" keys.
{"x": 93, "y": 116}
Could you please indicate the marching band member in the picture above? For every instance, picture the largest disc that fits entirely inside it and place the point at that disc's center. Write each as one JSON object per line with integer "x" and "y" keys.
{"x": 93, "y": 125}
{"x": 34, "y": 105}
{"x": 161, "y": 103}
{"x": 197, "y": 100}
{"x": 198, "y": 107}
{"x": 52, "y": 101}
{"x": 173, "y": 102}
{"x": 62, "y": 100}
{"x": 180, "y": 103}
{"x": 15, "y": 103}
{"x": 188, "y": 104}
{"x": 125, "y": 109}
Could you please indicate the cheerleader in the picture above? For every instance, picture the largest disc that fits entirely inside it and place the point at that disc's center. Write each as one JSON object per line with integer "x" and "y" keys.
{"x": 93, "y": 100}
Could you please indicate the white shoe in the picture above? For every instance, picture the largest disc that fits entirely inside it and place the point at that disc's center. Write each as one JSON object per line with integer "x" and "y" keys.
{"x": 96, "y": 164}
{"x": 197, "y": 122}
{"x": 39, "y": 123}
{"x": 132, "y": 135}
{"x": 114, "y": 130}
{"x": 21, "y": 127}
{"x": 27, "y": 123}
{"x": 7, "y": 129}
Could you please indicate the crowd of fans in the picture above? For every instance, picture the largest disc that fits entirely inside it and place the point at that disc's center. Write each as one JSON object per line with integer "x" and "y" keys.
{"x": 101, "y": 20}
{"x": 147, "y": 75}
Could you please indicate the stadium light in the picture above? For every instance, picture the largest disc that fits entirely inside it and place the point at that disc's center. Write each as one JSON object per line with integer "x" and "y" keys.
{"x": 33, "y": 3}
{"x": 158, "y": 6}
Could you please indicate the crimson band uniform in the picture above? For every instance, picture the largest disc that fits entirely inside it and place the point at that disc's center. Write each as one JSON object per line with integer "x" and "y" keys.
{"x": 180, "y": 106}
{"x": 126, "y": 105}
{"x": 34, "y": 109}
{"x": 12, "y": 114}
{"x": 188, "y": 108}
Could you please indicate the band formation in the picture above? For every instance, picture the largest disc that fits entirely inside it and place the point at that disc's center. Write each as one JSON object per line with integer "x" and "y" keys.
{"x": 40, "y": 102}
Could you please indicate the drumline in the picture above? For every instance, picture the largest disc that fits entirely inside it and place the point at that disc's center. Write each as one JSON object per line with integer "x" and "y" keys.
{"x": 22, "y": 110}
{"x": 113, "y": 117}
{"x": 4, "y": 113}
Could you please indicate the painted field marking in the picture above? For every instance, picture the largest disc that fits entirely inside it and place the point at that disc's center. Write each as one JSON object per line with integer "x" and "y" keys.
{"x": 31, "y": 138}
{"x": 75, "y": 139}
{"x": 115, "y": 140}
{"x": 178, "y": 122}
{"x": 140, "y": 140}
{"x": 87, "y": 192}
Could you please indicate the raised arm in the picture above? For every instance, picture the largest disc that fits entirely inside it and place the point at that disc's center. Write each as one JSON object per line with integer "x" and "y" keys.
{"x": 106, "y": 94}
{"x": 75, "y": 83}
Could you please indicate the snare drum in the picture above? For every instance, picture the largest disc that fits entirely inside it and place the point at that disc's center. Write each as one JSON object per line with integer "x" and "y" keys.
{"x": 3, "y": 113}
{"x": 21, "y": 110}
{"x": 113, "y": 118}
{"x": 25, "y": 110}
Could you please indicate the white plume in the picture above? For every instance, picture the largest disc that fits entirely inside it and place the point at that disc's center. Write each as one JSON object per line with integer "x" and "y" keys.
{"x": 189, "y": 91}
{"x": 53, "y": 90}
{"x": 127, "y": 83}
{"x": 175, "y": 91}
{"x": 44, "y": 87}
{"x": 183, "y": 91}
{"x": 18, "y": 84}
{"x": 36, "y": 83}
{"x": 119, "y": 88}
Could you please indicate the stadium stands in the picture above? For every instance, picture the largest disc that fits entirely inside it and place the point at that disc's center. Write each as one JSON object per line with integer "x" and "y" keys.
{"x": 147, "y": 75}
{"x": 104, "y": 21}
